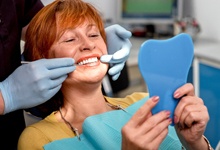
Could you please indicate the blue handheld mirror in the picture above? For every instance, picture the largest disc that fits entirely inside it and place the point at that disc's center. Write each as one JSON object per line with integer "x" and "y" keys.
{"x": 164, "y": 65}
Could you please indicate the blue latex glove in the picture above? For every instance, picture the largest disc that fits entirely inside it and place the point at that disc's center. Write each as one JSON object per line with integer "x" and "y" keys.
{"x": 118, "y": 49}
{"x": 34, "y": 83}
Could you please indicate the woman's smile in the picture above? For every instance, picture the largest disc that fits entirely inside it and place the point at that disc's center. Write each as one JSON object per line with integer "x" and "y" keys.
{"x": 89, "y": 61}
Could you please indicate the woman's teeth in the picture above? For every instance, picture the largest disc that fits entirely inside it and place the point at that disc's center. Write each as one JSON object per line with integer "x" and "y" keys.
{"x": 87, "y": 61}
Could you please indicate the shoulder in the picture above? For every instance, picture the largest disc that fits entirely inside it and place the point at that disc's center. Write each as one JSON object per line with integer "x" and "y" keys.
{"x": 30, "y": 135}
{"x": 44, "y": 132}
{"x": 136, "y": 96}
{"x": 128, "y": 100}
{"x": 33, "y": 4}
{"x": 32, "y": 7}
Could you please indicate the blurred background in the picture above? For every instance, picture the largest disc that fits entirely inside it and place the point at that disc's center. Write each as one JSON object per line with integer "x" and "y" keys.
{"x": 163, "y": 19}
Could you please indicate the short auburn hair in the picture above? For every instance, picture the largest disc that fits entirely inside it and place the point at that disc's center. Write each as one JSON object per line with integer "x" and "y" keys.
{"x": 46, "y": 27}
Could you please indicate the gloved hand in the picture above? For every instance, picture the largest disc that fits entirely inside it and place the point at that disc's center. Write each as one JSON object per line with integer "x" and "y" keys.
{"x": 34, "y": 83}
{"x": 119, "y": 46}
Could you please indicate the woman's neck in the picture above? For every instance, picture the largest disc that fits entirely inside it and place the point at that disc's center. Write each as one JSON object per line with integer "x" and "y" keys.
{"x": 80, "y": 104}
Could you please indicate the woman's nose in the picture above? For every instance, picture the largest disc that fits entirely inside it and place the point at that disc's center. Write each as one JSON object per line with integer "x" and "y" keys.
{"x": 87, "y": 44}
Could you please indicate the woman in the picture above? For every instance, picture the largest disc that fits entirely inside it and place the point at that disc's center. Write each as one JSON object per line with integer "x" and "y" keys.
{"x": 73, "y": 28}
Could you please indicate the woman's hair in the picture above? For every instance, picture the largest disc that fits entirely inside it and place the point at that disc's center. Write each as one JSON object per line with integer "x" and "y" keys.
{"x": 48, "y": 26}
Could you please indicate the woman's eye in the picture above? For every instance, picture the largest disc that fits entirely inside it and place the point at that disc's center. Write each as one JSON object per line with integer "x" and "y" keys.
{"x": 94, "y": 35}
{"x": 69, "y": 40}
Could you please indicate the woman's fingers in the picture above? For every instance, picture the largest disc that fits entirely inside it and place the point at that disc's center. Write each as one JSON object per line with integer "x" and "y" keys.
{"x": 186, "y": 89}
{"x": 148, "y": 126}
{"x": 190, "y": 116}
{"x": 158, "y": 139}
{"x": 140, "y": 137}
{"x": 144, "y": 130}
{"x": 193, "y": 114}
{"x": 158, "y": 124}
{"x": 143, "y": 112}
{"x": 184, "y": 104}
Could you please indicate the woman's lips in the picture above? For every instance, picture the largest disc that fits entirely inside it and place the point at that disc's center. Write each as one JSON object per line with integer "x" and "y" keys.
{"x": 88, "y": 61}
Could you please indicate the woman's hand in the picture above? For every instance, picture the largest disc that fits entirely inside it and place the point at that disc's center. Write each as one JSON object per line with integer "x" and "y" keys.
{"x": 144, "y": 130}
{"x": 191, "y": 117}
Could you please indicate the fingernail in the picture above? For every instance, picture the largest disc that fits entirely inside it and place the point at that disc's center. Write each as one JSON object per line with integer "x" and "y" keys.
{"x": 176, "y": 94}
{"x": 155, "y": 99}
{"x": 167, "y": 113}
{"x": 170, "y": 120}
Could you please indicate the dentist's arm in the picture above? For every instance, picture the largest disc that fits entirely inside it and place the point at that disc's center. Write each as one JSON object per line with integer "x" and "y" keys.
{"x": 118, "y": 49}
{"x": 34, "y": 83}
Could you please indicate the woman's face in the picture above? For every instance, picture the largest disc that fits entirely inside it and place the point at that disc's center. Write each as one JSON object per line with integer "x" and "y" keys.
{"x": 85, "y": 45}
